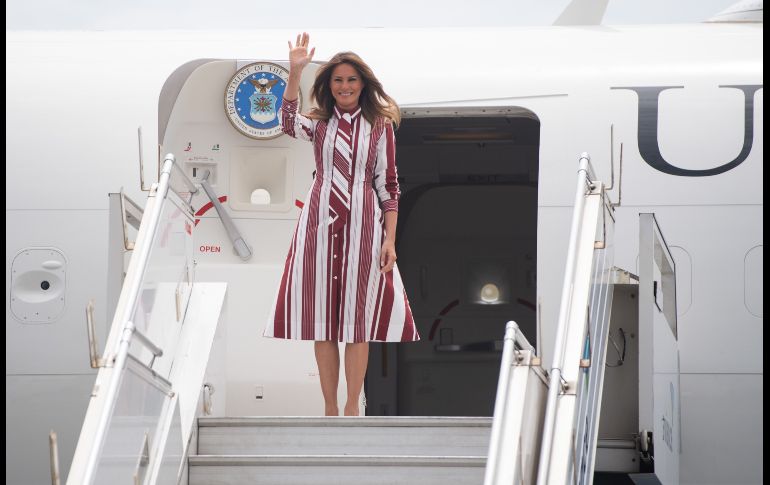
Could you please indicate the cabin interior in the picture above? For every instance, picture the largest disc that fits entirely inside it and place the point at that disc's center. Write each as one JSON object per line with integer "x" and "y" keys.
{"x": 467, "y": 249}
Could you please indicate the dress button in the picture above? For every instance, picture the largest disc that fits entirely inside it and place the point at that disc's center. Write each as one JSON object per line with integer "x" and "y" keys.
{"x": 335, "y": 277}
{"x": 335, "y": 235}
{"x": 335, "y": 256}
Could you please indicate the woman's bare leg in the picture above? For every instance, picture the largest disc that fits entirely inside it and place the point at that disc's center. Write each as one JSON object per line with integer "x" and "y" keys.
{"x": 356, "y": 359}
{"x": 327, "y": 355}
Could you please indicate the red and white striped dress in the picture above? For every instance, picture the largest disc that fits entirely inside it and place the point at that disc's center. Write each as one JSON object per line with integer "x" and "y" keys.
{"x": 332, "y": 287}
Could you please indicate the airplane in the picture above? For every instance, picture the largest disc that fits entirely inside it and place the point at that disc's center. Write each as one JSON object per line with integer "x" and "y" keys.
{"x": 494, "y": 124}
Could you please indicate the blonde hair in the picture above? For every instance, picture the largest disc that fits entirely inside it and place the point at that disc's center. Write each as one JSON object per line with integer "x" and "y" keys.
{"x": 373, "y": 100}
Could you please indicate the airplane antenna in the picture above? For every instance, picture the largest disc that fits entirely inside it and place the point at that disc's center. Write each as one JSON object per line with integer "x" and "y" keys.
{"x": 141, "y": 163}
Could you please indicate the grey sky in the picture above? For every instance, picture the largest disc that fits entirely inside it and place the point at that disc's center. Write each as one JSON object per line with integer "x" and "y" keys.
{"x": 306, "y": 14}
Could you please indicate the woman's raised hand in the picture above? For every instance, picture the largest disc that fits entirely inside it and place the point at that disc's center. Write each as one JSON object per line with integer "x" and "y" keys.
{"x": 298, "y": 55}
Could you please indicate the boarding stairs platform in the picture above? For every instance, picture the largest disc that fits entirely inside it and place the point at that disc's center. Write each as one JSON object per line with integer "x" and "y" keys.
{"x": 147, "y": 424}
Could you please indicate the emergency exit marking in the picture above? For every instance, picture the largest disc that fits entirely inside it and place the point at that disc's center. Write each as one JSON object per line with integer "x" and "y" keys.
{"x": 210, "y": 249}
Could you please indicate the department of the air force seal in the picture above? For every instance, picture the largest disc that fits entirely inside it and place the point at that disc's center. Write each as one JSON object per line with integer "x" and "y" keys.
{"x": 253, "y": 98}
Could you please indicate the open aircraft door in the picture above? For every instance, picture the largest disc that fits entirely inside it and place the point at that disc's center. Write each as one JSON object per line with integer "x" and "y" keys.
{"x": 221, "y": 117}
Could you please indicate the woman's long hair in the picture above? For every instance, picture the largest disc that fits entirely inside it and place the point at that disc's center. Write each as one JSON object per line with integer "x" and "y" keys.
{"x": 373, "y": 100}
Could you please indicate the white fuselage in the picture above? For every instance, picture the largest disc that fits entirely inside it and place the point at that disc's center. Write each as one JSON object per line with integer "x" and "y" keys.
{"x": 74, "y": 101}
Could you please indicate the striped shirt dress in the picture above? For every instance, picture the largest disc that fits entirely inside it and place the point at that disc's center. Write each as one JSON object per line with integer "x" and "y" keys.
{"x": 332, "y": 287}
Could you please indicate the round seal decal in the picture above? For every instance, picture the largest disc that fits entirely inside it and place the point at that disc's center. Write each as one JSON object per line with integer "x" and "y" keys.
{"x": 253, "y": 98}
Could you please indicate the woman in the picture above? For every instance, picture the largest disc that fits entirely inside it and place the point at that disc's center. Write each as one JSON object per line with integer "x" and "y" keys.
{"x": 340, "y": 282}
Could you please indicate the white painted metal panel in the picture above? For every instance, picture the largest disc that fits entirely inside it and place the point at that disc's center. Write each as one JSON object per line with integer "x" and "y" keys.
{"x": 717, "y": 239}
{"x": 35, "y": 405}
{"x": 60, "y": 347}
{"x": 662, "y": 55}
{"x": 722, "y": 421}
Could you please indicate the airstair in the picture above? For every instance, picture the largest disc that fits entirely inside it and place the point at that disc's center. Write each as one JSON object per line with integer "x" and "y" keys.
{"x": 334, "y": 450}
{"x": 591, "y": 412}
{"x": 546, "y": 427}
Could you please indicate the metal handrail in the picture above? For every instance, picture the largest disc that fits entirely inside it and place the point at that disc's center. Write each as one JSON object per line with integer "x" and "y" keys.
{"x": 96, "y": 360}
{"x": 517, "y": 352}
{"x": 156, "y": 351}
{"x": 239, "y": 244}
{"x": 585, "y": 176}
{"x": 128, "y": 329}
{"x": 520, "y": 339}
{"x": 511, "y": 330}
{"x": 149, "y": 375}
{"x": 117, "y": 357}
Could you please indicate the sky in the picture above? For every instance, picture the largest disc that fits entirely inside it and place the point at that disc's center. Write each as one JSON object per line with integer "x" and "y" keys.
{"x": 307, "y": 14}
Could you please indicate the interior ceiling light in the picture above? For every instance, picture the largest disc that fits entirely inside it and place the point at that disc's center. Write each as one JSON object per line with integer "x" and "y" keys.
{"x": 490, "y": 293}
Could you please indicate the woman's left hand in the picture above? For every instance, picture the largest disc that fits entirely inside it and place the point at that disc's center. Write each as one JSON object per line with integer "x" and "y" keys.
{"x": 387, "y": 256}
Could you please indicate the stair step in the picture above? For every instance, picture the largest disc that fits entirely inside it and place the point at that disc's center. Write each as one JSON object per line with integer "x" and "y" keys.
{"x": 426, "y": 436}
{"x": 345, "y": 421}
{"x": 335, "y": 469}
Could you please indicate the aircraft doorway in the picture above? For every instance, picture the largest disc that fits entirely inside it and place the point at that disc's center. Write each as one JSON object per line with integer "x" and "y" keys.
{"x": 466, "y": 244}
